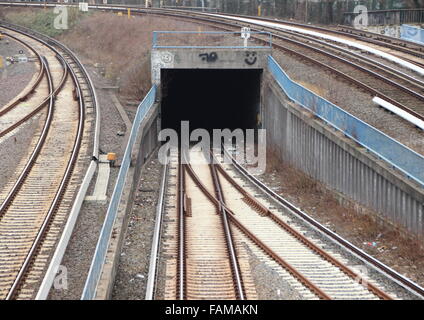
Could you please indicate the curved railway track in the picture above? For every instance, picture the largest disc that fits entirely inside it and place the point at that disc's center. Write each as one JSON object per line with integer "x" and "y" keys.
{"x": 408, "y": 47}
{"x": 238, "y": 217}
{"x": 390, "y": 83}
{"x": 36, "y": 202}
{"x": 378, "y": 79}
{"x": 26, "y": 106}
{"x": 215, "y": 216}
{"x": 23, "y": 96}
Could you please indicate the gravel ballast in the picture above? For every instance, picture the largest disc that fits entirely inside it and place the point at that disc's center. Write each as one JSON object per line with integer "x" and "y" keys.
{"x": 16, "y": 76}
{"x": 80, "y": 251}
{"x": 131, "y": 277}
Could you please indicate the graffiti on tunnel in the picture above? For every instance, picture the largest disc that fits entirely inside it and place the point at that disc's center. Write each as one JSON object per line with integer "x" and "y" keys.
{"x": 209, "y": 57}
{"x": 250, "y": 58}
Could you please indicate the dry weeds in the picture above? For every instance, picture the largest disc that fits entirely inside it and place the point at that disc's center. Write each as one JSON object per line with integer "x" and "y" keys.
{"x": 122, "y": 46}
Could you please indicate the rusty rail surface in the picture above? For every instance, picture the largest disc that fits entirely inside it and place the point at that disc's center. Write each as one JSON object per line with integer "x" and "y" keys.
{"x": 268, "y": 213}
{"x": 405, "y": 282}
{"x": 44, "y": 228}
{"x": 23, "y": 96}
{"x": 257, "y": 241}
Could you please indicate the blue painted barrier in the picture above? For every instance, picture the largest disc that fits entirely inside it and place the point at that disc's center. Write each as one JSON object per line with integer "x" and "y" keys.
{"x": 106, "y": 232}
{"x": 396, "y": 154}
{"x": 412, "y": 33}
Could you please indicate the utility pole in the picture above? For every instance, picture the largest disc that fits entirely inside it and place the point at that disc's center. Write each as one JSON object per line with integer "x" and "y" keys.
{"x": 306, "y": 11}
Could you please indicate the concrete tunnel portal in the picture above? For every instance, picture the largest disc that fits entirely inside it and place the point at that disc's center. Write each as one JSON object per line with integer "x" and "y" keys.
{"x": 210, "y": 98}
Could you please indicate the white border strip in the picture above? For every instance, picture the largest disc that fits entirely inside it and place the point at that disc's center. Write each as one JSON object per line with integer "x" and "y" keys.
{"x": 152, "y": 276}
{"x": 398, "y": 111}
{"x": 48, "y": 280}
{"x": 357, "y": 45}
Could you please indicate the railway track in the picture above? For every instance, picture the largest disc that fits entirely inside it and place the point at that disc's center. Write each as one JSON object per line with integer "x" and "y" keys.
{"x": 198, "y": 245}
{"x": 389, "y": 82}
{"x": 409, "y": 47}
{"x": 33, "y": 99}
{"x": 32, "y": 86}
{"x": 207, "y": 265}
{"x": 36, "y": 201}
{"x": 198, "y": 274}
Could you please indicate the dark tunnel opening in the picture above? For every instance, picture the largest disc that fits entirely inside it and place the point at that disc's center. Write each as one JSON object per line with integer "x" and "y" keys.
{"x": 210, "y": 98}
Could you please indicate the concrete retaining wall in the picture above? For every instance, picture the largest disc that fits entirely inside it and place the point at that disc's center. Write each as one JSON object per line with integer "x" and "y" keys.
{"x": 326, "y": 155}
{"x": 207, "y": 58}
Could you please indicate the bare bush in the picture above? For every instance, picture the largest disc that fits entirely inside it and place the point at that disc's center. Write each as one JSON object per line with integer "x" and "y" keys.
{"x": 121, "y": 46}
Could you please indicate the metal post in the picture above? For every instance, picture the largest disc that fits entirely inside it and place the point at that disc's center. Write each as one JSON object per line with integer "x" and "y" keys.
{"x": 306, "y": 11}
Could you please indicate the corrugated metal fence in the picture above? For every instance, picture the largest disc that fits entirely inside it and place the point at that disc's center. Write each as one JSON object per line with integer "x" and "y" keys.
{"x": 106, "y": 232}
{"x": 396, "y": 154}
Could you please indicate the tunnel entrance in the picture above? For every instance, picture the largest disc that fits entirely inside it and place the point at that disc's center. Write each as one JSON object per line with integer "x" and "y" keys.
{"x": 210, "y": 98}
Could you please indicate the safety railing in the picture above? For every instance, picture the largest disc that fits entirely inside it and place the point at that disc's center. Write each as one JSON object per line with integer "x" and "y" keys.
{"x": 106, "y": 232}
{"x": 412, "y": 33}
{"x": 208, "y": 39}
{"x": 396, "y": 154}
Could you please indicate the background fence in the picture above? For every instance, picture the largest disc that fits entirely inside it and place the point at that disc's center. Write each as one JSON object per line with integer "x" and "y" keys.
{"x": 386, "y": 148}
{"x": 106, "y": 232}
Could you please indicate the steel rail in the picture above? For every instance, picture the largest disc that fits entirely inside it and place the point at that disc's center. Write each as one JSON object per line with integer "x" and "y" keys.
{"x": 50, "y": 42}
{"x": 354, "y": 80}
{"x": 415, "y": 49}
{"x": 235, "y": 266}
{"x": 402, "y": 46}
{"x": 68, "y": 171}
{"x": 376, "y": 263}
{"x": 375, "y": 64}
{"x": 300, "y": 237}
{"x": 224, "y": 21}
{"x": 293, "y": 271}
{"x": 334, "y": 237}
{"x": 23, "y": 96}
{"x": 41, "y": 105}
{"x": 195, "y": 15}
{"x": 181, "y": 260}
{"x": 346, "y": 76}
{"x": 154, "y": 253}
{"x": 73, "y": 215}
{"x": 59, "y": 193}
{"x": 34, "y": 155}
